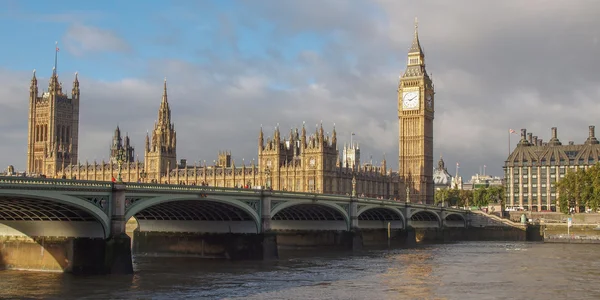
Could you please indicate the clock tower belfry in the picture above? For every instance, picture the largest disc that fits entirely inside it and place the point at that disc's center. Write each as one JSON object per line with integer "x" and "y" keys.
{"x": 415, "y": 126}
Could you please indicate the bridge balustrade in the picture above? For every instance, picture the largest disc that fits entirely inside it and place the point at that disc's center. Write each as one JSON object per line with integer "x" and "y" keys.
{"x": 174, "y": 212}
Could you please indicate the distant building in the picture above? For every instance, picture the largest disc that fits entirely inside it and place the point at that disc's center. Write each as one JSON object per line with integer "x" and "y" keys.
{"x": 10, "y": 171}
{"x": 120, "y": 145}
{"x": 534, "y": 167}
{"x": 351, "y": 156}
{"x": 441, "y": 178}
{"x": 482, "y": 181}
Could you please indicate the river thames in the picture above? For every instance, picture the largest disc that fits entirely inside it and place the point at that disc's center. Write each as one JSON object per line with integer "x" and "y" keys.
{"x": 469, "y": 270}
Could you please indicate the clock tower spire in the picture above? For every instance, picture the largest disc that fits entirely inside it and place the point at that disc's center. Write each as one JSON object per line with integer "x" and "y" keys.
{"x": 415, "y": 124}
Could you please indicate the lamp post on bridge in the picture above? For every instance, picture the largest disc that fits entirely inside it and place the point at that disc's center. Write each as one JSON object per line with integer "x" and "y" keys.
{"x": 353, "y": 184}
{"x": 407, "y": 194}
{"x": 143, "y": 176}
{"x": 120, "y": 160}
{"x": 268, "y": 173}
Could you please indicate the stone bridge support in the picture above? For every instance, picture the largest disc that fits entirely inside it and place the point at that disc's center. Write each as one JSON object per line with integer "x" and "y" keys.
{"x": 118, "y": 258}
{"x": 111, "y": 255}
{"x": 269, "y": 238}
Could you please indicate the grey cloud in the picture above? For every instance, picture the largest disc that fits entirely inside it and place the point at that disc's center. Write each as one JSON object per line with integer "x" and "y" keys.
{"x": 496, "y": 65}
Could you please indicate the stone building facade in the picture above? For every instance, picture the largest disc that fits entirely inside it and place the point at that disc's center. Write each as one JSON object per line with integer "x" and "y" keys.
{"x": 534, "y": 167}
{"x": 301, "y": 162}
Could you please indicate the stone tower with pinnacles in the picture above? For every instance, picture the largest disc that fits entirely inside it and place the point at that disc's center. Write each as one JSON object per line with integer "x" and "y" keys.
{"x": 415, "y": 127}
{"x": 53, "y": 130}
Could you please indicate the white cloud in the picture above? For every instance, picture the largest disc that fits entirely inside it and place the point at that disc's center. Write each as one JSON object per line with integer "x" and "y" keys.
{"x": 496, "y": 65}
{"x": 82, "y": 40}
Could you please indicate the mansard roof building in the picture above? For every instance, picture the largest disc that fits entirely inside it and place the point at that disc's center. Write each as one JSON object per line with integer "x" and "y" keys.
{"x": 534, "y": 167}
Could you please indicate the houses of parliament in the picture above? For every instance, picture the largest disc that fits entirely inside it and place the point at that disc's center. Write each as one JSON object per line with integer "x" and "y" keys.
{"x": 296, "y": 161}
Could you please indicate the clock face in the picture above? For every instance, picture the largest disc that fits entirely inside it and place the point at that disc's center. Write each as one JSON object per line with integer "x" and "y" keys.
{"x": 429, "y": 102}
{"x": 410, "y": 100}
{"x": 312, "y": 162}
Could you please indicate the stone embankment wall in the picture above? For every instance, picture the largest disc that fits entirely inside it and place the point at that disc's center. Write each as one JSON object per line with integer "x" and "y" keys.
{"x": 557, "y": 217}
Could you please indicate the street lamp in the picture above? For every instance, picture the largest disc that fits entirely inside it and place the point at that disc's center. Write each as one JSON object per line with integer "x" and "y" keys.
{"x": 353, "y": 185}
{"x": 143, "y": 176}
{"x": 120, "y": 160}
{"x": 268, "y": 173}
{"x": 407, "y": 194}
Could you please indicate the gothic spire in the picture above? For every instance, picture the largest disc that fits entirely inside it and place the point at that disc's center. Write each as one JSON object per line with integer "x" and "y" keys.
{"x": 334, "y": 136}
{"x": 164, "y": 96}
{"x": 33, "y": 87}
{"x": 75, "y": 91}
{"x": 416, "y": 46}
{"x": 164, "y": 112}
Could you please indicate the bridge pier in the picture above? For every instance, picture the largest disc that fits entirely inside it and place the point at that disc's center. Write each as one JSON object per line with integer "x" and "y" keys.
{"x": 269, "y": 240}
{"x": 117, "y": 259}
{"x": 354, "y": 234}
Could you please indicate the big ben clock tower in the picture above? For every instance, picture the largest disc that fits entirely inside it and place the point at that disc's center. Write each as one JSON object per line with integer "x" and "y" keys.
{"x": 415, "y": 124}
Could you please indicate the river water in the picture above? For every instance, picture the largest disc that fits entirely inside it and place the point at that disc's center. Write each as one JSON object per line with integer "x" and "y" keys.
{"x": 469, "y": 270}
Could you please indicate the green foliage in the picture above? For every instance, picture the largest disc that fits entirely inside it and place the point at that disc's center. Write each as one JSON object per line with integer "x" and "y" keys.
{"x": 447, "y": 195}
{"x": 579, "y": 188}
{"x": 479, "y": 197}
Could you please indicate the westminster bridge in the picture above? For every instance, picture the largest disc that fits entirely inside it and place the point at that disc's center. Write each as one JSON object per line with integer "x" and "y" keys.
{"x": 80, "y": 226}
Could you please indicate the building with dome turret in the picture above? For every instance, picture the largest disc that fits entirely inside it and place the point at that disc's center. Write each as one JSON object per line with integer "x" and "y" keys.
{"x": 441, "y": 178}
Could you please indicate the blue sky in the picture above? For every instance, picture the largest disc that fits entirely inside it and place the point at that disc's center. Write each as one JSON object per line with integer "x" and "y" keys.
{"x": 182, "y": 30}
{"x": 234, "y": 65}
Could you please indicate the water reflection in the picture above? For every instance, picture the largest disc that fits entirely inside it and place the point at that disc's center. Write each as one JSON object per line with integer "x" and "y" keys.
{"x": 490, "y": 270}
{"x": 410, "y": 275}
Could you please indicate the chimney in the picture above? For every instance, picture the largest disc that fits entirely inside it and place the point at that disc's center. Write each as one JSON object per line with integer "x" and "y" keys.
{"x": 540, "y": 142}
{"x": 523, "y": 133}
{"x": 571, "y": 143}
{"x": 592, "y": 140}
{"x": 554, "y": 135}
{"x": 530, "y": 138}
{"x": 535, "y": 140}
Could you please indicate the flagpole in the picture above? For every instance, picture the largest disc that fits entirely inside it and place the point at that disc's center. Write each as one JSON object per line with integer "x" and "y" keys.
{"x": 508, "y": 144}
{"x": 55, "y": 56}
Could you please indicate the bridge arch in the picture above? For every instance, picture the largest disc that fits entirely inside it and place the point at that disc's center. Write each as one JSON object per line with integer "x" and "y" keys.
{"x": 425, "y": 218}
{"x": 212, "y": 214}
{"x": 40, "y": 206}
{"x": 373, "y": 216}
{"x": 455, "y": 220}
{"x": 309, "y": 215}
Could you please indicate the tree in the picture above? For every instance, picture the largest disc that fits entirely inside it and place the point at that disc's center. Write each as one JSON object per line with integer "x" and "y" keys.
{"x": 440, "y": 196}
{"x": 446, "y": 195}
{"x": 466, "y": 197}
{"x": 579, "y": 188}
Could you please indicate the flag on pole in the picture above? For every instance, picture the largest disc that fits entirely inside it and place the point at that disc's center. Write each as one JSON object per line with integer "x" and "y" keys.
{"x": 353, "y": 133}
{"x": 512, "y": 131}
